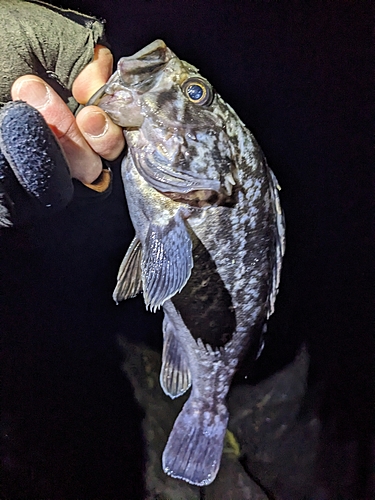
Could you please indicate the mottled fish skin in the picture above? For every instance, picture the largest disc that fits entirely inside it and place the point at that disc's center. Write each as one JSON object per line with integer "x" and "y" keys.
{"x": 209, "y": 241}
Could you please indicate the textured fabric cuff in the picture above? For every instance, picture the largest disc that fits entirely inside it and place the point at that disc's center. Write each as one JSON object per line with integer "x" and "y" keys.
{"x": 97, "y": 191}
{"x": 102, "y": 183}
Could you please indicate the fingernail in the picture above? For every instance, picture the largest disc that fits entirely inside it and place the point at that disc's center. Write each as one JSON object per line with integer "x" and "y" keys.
{"x": 96, "y": 125}
{"x": 34, "y": 92}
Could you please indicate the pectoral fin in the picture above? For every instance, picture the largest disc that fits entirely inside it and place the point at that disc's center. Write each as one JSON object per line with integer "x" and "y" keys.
{"x": 166, "y": 262}
{"x": 175, "y": 376}
{"x": 129, "y": 278}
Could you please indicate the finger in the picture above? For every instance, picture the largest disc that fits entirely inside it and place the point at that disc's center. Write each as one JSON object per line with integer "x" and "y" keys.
{"x": 84, "y": 163}
{"x": 100, "y": 132}
{"x": 94, "y": 75}
{"x": 105, "y": 138}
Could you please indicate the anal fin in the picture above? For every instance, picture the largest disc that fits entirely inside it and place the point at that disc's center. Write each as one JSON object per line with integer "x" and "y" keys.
{"x": 194, "y": 448}
{"x": 175, "y": 378}
{"x": 129, "y": 278}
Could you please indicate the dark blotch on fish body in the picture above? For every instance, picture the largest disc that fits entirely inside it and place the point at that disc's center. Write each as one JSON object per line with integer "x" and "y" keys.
{"x": 210, "y": 315}
{"x": 166, "y": 97}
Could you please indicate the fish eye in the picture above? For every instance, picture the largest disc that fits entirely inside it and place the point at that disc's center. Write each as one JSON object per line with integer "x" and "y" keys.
{"x": 198, "y": 91}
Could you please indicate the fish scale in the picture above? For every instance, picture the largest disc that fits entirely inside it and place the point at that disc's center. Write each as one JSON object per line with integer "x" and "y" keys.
{"x": 209, "y": 239}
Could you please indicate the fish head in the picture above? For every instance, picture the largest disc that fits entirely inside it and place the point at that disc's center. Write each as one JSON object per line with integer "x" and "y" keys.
{"x": 175, "y": 124}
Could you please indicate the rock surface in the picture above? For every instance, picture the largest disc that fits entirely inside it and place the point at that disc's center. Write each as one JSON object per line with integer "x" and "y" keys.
{"x": 269, "y": 452}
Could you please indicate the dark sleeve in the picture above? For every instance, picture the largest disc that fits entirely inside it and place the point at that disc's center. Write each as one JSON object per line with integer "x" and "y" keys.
{"x": 55, "y": 44}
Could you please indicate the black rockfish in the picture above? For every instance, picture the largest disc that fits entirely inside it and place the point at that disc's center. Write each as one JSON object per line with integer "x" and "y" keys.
{"x": 209, "y": 239}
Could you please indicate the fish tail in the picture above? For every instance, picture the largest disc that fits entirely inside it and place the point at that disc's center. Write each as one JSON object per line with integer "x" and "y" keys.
{"x": 194, "y": 448}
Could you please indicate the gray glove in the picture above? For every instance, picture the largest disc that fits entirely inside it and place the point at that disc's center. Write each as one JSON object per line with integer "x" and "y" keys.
{"x": 39, "y": 39}
{"x": 55, "y": 44}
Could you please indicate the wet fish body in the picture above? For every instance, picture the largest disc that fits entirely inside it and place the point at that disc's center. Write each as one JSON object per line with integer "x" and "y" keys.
{"x": 209, "y": 239}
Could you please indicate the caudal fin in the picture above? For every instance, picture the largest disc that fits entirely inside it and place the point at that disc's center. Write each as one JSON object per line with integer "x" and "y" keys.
{"x": 194, "y": 448}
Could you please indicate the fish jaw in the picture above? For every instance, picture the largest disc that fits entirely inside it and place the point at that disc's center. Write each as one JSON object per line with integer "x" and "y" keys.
{"x": 120, "y": 103}
{"x": 120, "y": 96}
{"x": 123, "y": 108}
{"x": 138, "y": 69}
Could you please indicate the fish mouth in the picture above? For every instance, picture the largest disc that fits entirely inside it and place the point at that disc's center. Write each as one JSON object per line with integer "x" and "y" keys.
{"x": 135, "y": 73}
{"x": 143, "y": 64}
{"x": 118, "y": 103}
{"x": 96, "y": 98}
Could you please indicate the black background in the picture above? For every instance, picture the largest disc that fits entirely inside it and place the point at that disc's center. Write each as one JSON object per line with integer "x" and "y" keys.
{"x": 300, "y": 75}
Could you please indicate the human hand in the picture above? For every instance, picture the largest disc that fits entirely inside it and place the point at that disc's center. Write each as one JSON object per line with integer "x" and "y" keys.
{"x": 88, "y": 136}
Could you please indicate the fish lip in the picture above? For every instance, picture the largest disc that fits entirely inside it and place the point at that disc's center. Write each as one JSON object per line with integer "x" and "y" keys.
{"x": 139, "y": 70}
{"x": 149, "y": 49}
{"x": 116, "y": 77}
{"x": 103, "y": 96}
{"x": 99, "y": 94}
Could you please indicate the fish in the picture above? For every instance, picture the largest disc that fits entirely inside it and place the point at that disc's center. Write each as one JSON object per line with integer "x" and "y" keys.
{"x": 209, "y": 240}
